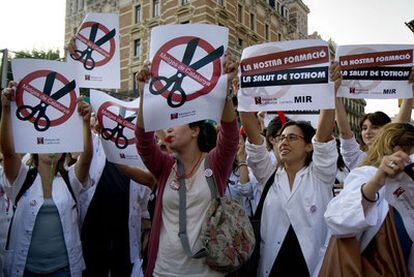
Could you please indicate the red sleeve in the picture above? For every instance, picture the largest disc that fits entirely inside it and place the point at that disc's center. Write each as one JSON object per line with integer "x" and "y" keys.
{"x": 223, "y": 155}
{"x": 152, "y": 156}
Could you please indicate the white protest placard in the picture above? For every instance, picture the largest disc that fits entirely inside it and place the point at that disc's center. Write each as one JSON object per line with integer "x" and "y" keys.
{"x": 96, "y": 60}
{"x": 399, "y": 193}
{"x": 288, "y": 75}
{"x": 44, "y": 115}
{"x": 186, "y": 84}
{"x": 117, "y": 120}
{"x": 375, "y": 71}
{"x": 312, "y": 117}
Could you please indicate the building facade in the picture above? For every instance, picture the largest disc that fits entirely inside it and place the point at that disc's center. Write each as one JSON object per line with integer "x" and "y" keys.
{"x": 249, "y": 21}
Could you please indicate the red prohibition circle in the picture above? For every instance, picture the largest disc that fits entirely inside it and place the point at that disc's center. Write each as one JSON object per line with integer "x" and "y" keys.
{"x": 100, "y": 116}
{"x": 105, "y": 60}
{"x": 184, "y": 40}
{"x": 39, "y": 74}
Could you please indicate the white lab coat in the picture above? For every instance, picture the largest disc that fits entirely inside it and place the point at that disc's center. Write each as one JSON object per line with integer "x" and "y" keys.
{"x": 6, "y": 212}
{"x": 25, "y": 217}
{"x": 302, "y": 207}
{"x": 345, "y": 215}
{"x": 351, "y": 152}
{"x": 138, "y": 200}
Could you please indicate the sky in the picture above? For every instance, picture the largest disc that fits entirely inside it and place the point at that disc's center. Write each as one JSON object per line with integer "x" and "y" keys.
{"x": 41, "y": 24}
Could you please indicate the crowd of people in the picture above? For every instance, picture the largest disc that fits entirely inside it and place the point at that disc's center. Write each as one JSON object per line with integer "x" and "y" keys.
{"x": 77, "y": 214}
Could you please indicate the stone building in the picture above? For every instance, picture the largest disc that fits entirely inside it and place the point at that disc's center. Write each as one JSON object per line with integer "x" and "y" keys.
{"x": 249, "y": 21}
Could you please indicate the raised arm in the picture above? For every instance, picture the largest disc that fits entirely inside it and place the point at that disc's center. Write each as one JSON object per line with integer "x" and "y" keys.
{"x": 11, "y": 160}
{"x": 230, "y": 68}
{"x": 84, "y": 162}
{"x": 341, "y": 119}
{"x": 143, "y": 177}
{"x": 327, "y": 117}
{"x": 404, "y": 115}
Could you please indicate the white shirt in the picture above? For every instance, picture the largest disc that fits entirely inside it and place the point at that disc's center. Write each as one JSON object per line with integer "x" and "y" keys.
{"x": 6, "y": 212}
{"x": 351, "y": 152}
{"x": 345, "y": 215}
{"x": 171, "y": 258}
{"x": 302, "y": 207}
{"x": 25, "y": 217}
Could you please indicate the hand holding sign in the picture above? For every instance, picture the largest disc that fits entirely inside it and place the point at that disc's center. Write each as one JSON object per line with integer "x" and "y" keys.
{"x": 186, "y": 73}
{"x": 45, "y": 105}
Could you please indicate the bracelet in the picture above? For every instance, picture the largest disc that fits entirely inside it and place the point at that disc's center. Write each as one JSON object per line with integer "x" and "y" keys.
{"x": 366, "y": 198}
{"x": 242, "y": 163}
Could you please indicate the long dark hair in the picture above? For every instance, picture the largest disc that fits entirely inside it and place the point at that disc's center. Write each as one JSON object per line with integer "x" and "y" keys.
{"x": 33, "y": 161}
{"x": 207, "y": 136}
{"x": 308, "y": 132}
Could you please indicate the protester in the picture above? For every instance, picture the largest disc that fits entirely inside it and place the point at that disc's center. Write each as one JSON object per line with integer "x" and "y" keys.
{"x": 293, "y": 231}
{"x": 44, "y": 234}
{"x": 242, "y": 186}
{"x": 111, "y": 211}
{"x": 370, "y": 124}
{"x": 6, "y": 213}
{"x": 190, "y": 143}
{"x": 379, "y": 242}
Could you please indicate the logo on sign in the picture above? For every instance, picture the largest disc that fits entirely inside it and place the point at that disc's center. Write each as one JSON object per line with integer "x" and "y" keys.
{"x": 41, "y": 140}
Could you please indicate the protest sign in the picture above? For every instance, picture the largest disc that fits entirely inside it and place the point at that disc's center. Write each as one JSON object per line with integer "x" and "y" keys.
{"x": 375, "y": 71}
{"x": 44, "y": 108}
{"x": 117, "y": 120}
{"x": 186, "y": 84}
{"x": 96, "y": 60}
{"x": 399, "y": 193}
{"x": 312, "y": 117}
{"x": 288, "y": 75}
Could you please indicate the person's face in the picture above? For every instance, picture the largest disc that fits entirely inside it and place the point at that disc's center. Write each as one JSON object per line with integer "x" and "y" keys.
{"x": 180, "y": 137}
{"x": 369, "y": 132}
{"x": 291, "y": 147}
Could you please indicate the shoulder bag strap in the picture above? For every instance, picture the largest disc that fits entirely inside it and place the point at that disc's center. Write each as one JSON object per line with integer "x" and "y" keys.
{"x": 258, "y": 214}
{"x": 182, "y": 216}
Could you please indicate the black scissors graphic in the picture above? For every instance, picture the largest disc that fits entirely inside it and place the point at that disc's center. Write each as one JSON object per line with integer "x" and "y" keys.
{"x": 121, "y": 141}
{"x": 42, "y": 106}
{"x": 175, "y": 81}
{"x": 86, "y": 55}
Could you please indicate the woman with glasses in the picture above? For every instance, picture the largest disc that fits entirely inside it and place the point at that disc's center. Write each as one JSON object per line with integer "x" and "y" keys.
{"x": 293, "y": 231}
{"x": 383, "y": 247}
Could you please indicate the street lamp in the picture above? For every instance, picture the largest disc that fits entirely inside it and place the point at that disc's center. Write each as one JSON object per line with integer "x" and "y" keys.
{"x": 410, "y": 25}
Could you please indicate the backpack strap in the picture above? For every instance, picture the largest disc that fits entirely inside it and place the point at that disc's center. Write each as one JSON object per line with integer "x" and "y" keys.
{"x": 182, "y": 211}
{"x": 208, "y": 173}
{"x": 65, "y": 177}
{"x": 258, "y": 213}
{"x": 28, "y": 182}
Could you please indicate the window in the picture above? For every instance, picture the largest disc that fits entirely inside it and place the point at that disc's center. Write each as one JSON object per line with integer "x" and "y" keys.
{"x": 138, "y": 14}
{"x": 220, "y": 2}
{"x": 240, "y": 13}
{"x": 185, "y": 2}
{"x": 252, "y": 21}
{"x": 137, "y": 47}
{"x": 279, "y": 36}
{"x": 267, "y": 31}
{"x": 185, "y": 22}
{"x": 240, "y": 43}
{"x": 135, "y": 85}
{"x": 155, "y": 8}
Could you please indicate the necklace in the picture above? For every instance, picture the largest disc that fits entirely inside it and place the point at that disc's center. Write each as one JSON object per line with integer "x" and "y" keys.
{"x": 175, "y": 184}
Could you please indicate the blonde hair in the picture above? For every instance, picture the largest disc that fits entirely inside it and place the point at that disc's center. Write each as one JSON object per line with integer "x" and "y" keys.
{"x": 390, "y": 136}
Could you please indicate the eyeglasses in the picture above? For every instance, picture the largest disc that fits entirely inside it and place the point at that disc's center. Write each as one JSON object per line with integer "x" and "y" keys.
{"x": 288, "y": 137}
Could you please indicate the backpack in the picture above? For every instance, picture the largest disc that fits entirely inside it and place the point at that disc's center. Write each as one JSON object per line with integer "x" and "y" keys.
{"x": 227, "y": 235}
{"x": 28, "y": 182}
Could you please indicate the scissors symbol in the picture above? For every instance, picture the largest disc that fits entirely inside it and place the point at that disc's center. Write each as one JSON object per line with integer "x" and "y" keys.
{"x": 121, "y": 141}
{"x": 86, "y": 55}
{"x": 175, "y": 81}
{"x": 40, "y": 108}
